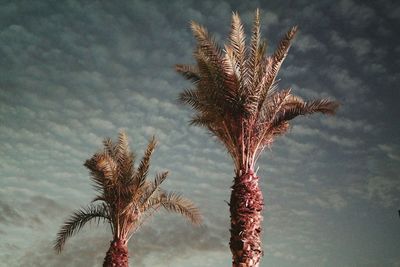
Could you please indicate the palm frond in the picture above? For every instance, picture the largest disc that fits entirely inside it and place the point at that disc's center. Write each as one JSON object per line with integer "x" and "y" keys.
{"x": 284, "y": 45}
{"x": 155, "y": 186}
{"x": 232, "y": 71}
{"x": 237, "y": 40}
{"x": 160, "y": 178}
{"x": 109, "y": 146}
{"x": 99, "y": 198}
{"x": 280, "y": 129}
{"x": 174, "y": 202}
{"x": 77, "y": 220}
{"x": 217, "y": 86}
{"x": 324, "y": 106}
{"x": 122, "y": 145}
{"x": 191, "y": 97}
{"x": 124, "y": 157}
{"x": 144, "y": 164}
{"x": 109, "y": 167}
{"x": 96, "y": 175}
{"x": 207, "y": 45}
{"x": 91, "y": 163}
{"x": 189, "y": 72}
{"x": 205, "y": 120}
{"x": 273, "y": 65}
{"x": 254, "y": 57}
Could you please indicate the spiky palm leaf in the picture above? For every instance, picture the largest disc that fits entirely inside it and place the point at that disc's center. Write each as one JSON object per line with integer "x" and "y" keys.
{"x": 174, "y": 202}
{"x": 125, "y": 195}
{"x": 77, "y": 220}
{"x": 144, "y": 164}
{"x": 235, "y": 96}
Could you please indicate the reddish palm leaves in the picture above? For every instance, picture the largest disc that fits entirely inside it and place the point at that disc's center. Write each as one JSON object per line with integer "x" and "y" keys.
{"x": 235, "y": 96}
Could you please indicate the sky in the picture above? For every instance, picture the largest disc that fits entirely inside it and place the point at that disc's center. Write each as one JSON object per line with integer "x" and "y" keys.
{"x": 75, "y": 72}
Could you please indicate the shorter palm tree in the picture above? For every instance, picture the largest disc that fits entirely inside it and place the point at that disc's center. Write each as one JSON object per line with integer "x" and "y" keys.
{"x": 125, "y": 200}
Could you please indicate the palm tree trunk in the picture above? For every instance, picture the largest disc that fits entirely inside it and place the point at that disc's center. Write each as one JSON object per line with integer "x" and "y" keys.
{"x": 246, "y": 205}
{"x": 117, "y": 254}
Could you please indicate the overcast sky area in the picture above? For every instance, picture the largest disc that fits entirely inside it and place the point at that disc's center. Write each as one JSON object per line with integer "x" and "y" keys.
{"x": 72, "y": 73}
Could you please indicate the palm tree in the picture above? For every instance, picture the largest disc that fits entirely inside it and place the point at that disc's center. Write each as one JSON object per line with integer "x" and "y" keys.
{"x": 125, "y": 198}
{"x": 235, "y": 97}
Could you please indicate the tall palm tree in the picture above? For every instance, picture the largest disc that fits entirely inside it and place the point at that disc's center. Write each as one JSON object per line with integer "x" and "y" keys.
{"x": 235, "y": 97}
{"x": 125, "y": 198}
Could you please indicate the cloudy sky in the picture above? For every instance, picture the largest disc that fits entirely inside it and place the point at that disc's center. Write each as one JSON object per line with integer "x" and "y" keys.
{"x": 74, "y": 72}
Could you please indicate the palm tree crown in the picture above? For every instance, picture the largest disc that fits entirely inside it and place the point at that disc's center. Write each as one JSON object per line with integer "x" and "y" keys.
{"x": 235, "y": 92}
{"x": 125, "y": 197}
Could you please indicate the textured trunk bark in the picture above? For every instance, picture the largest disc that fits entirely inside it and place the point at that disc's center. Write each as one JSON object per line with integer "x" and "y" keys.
{"x": 117, "y": 254}
{"x": 245, "y": 207}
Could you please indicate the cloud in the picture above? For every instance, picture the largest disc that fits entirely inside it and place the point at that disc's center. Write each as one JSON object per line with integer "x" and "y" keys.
{"x": 338, "y": 40}
{"x": 339, "y": 140}
{"x": 384, "y": 190}
{"x": 307, "y": 43}
{"x": 102, "y": 124}
{"x": 390, "y": 151}
{"x": 350, "y": 87}
{"x": 361, "y": 46}
{"x": 340, "y": 123}
{"x": 330, "y": 199}
{"x": 359, "y": 15}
